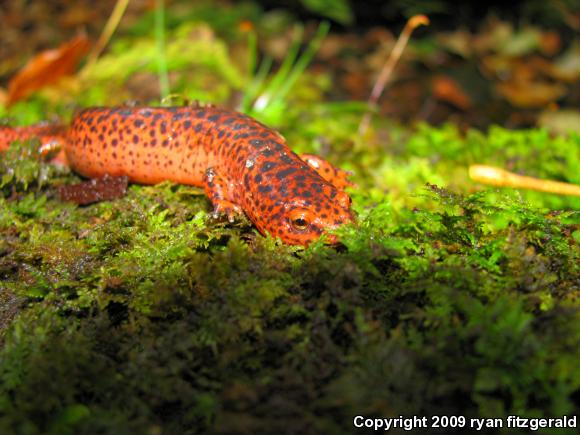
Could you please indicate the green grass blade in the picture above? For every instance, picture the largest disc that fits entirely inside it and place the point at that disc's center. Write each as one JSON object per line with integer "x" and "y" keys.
{"x": 161, "y": 55}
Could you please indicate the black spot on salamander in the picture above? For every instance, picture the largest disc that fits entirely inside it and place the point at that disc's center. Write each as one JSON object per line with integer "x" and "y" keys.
{"x": 135, "y": 139}
{"x": 286, "y": 158}
{"x": 138, "y": 123}
{"x": 257, "y": 143}
{"x": 122, "y": 112}
{"x": 265, "y": 134}
{"x": 228, "y": 121}
{"x": 238, "y": 126}
{"x": 316, "y": 229}
{"x": 241, "y": 136}
{"x": 114, "y": 142}
{"x": 284, "y": 173}
{"x": 163, "y": 127}
{"x": 213, "y": 118}
{"x": 221, "y": 134}
{"x": 268, "y": 152}
{"x": 187, "y": 124}
{"x": 258, "y": 178}
{"x": 265, "y": 189}
{"x": 200, "y": 114}
{"x": 306, "y": 194}
{"x": 267, "y": 166}
{"x": 279, "y": 146}
{"x": 197, "y": 127}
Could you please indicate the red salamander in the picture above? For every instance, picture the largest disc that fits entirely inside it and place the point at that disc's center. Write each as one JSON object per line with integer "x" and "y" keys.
{"x": 242, "y": 165}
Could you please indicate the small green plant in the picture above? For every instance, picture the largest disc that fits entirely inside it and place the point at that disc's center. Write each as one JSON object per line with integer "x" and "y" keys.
{"x": 266, "y": 99}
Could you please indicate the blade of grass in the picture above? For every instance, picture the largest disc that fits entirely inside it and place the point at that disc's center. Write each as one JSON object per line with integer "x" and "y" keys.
{"x": 252, "y": 51}
{"x": 282, "y": 73}
{"x": 304, "y": 60}
{"x": 108, "y": 30}
{"x": 252, "y": 90}
{"x": 291, "y": 69}
{"x": 160, "y": 42}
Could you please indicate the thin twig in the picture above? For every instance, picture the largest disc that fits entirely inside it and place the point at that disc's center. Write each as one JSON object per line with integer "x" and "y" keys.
{"x": 107, "y": 33}
{"x": 162, "y": 70}
{"x": 385, "y": 74}
{"x": 502, "y": 178}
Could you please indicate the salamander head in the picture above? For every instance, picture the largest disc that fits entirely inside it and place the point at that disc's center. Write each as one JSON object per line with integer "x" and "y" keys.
{"x": 305, "y": 221}
{"x": 300, "y": 209}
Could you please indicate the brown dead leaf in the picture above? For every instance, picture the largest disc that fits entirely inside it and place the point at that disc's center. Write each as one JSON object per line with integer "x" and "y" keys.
{"x": 77, "y": 15}
{"x": 567, "y": 67}
{"x": 47, "y": 68}
{"x": 448, "y": 90}
{"x": 532, "y": 94}
{"x": 550, "y": 43}
{"x": 560, "y": 122}
{"x": 459, "y": 42}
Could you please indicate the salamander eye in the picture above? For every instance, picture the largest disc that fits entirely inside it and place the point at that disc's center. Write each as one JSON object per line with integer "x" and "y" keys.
{"x": 299, "y": 220}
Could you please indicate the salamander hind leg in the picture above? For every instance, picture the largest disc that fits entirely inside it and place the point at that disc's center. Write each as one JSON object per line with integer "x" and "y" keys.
{"x": 217, "y": 189}
{"x": 339, "y": 178}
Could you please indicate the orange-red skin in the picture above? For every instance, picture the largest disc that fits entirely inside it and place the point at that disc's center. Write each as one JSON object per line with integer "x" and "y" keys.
{"x": 242, "y": 164}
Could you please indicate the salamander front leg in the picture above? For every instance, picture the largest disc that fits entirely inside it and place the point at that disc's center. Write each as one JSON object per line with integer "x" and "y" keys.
{"x": 217, "y": 190}
{"x": 335, "y": 176}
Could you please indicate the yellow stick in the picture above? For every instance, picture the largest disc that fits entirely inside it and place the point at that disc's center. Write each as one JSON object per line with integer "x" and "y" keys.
{"x": 502, "y": 178}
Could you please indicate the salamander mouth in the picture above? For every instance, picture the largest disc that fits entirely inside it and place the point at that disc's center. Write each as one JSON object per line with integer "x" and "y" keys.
{"x": 332, "y": 239}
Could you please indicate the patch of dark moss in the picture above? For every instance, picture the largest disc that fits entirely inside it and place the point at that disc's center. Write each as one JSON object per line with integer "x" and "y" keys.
{"x": 142, "y": 315}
